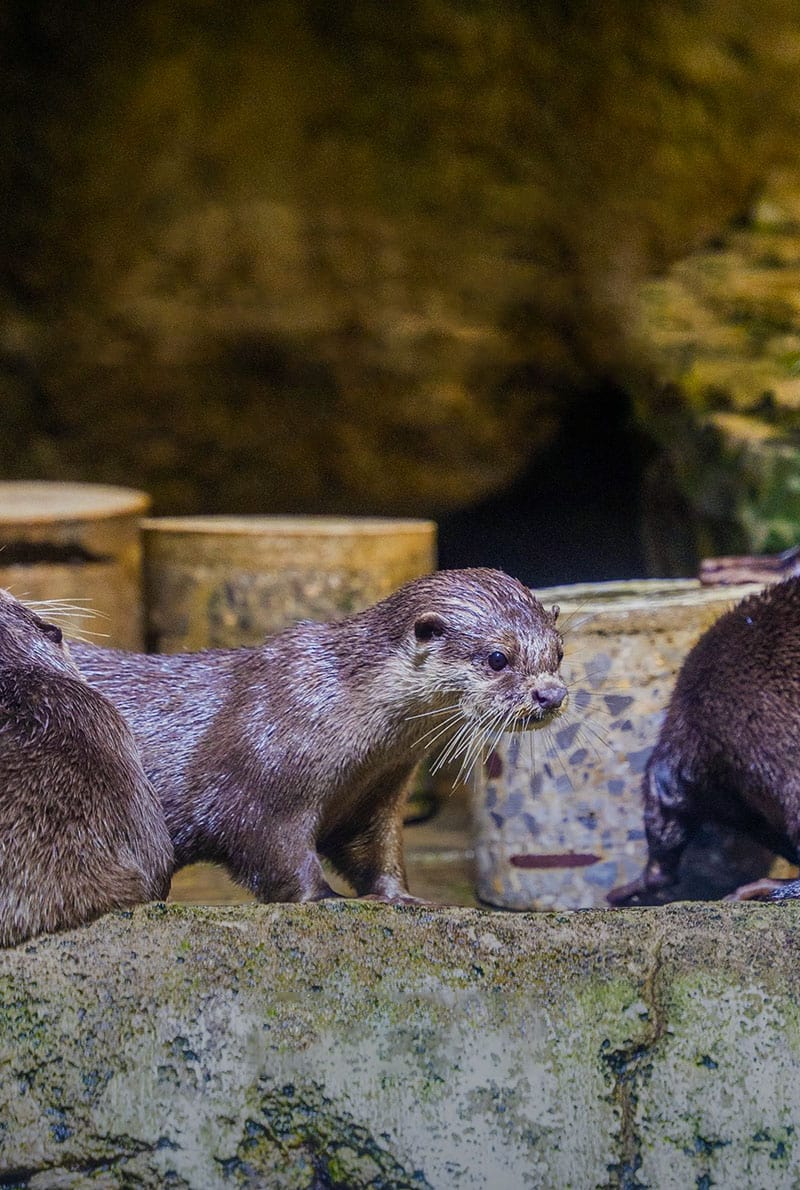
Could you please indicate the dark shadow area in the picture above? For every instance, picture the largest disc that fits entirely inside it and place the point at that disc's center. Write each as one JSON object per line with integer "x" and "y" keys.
{"x": 48, "y": 553}
{"x": 575, "y": 516}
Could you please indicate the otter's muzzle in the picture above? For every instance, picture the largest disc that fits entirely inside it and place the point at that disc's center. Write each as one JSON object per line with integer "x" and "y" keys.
{"x": 548, "y": 694}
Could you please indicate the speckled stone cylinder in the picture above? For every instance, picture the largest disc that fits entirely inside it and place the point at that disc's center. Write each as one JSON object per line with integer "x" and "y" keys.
{"x": 78, "y": 543}
{"x": 217, "y": 581}
{"x": 558, "y": 812}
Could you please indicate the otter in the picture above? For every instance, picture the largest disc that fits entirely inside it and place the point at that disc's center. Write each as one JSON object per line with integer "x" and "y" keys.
{"x": 727, "y": 750}
{"x": 81, "y": 828}
{"x": 268, "y": 758}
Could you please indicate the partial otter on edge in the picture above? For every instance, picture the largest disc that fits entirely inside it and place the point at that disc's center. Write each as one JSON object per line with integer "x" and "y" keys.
{"x": 728, "y": 749}
{"x": 267, "y": 758}
{"x": 81, "y": 828}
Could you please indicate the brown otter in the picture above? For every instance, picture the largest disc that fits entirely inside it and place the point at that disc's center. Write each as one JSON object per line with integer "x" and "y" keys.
{"x": 267, "y": 758}
{"x": 728, "y": 749}
{"x": 81, "y": 828}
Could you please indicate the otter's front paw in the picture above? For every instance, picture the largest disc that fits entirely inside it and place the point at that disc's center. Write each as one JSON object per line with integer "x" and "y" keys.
{"x": 627, "y": 895}
{"x": 650, "y": 888}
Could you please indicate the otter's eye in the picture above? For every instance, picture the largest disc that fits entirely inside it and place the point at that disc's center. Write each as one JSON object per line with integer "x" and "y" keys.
{"x": 497, "y": 660}
{"x": 53, "y": 633}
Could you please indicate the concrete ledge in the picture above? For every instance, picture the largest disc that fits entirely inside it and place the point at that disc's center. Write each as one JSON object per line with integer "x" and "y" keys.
{"x": 354, "y": 1045}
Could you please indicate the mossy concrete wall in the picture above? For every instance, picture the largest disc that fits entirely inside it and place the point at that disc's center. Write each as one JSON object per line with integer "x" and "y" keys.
{"x": 346, "y": 1045}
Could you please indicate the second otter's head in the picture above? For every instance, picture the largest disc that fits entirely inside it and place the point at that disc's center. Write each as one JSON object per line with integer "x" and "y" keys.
{"x": 480, "y": 641}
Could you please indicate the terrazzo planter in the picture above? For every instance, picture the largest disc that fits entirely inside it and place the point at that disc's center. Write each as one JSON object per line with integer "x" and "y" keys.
{"x": 216, "y": 581}
{"x": 558, "y": 812}
{"x": 77, "y": 542}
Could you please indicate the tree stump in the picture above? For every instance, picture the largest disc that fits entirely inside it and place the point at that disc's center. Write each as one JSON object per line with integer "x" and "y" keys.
{"x": 77, "y": 543}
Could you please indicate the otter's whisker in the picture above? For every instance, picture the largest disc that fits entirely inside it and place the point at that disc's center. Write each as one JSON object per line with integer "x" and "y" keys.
{"x": 474, "y": 751}
{"x": 442, "y": 725}
{"x": 436, "y": 711}
{"x": 571, "y": 621}
{"x": 504, "y": 726}
{"x": 483, "y": 729}
{"x": 476, "y": 746}
{"x": 452, "y": 747}
{"x": 585, "y": 740}
{"x": 456, "y": 740}
{"x": 594, "y": 731}
{"x": 494, "y": 729}
{"x": 60, "y": 612}
{"x": 435, "y": 733}
{"x": 480, "y": 746}
{"x": 437, "y": 730}
{"x": 83, "y": 637}
{"x": 461, "y": 740}
{"x": 64, "y": 608}
{"x": 462, "y": 737}
{"x": 555, "y": 755}
{"x": 72, "y": 604}
{"x": 469, "y": 757}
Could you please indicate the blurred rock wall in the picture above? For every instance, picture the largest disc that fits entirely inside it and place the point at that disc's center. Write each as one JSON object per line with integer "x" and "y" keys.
{"x": 305, "y": 256}
{"x": 719, "y": 387}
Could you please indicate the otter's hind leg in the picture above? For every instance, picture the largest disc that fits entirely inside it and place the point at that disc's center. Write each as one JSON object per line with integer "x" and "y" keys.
{"x": 669, "y": 825}
{"x": 283, "y": 866}
{"x": 784, "y": 844}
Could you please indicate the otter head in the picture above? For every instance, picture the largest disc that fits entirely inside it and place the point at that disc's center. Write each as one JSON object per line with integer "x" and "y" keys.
{"x": 25, "y": 637}
{"x": 486, "y": 655}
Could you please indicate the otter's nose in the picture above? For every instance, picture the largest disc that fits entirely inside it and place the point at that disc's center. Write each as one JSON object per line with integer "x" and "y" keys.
{"x": 549, "y": 694}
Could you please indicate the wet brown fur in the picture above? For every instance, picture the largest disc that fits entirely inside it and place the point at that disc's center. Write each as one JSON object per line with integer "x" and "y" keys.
{"x": 267, "y": 758}
{"x": 81, "y": 829}
{"x": 728, "y": 749}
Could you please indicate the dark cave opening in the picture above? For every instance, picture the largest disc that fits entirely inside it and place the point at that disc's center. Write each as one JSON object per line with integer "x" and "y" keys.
{"x": 575, "y": 515}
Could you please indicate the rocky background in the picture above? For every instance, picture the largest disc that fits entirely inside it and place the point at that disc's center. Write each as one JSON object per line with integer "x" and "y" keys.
{"x": 303, "y": 256}
{"x": 720, "y": 388}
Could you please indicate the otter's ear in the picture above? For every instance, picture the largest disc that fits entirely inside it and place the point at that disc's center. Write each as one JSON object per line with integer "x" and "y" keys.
{"x": 53, "y": 633}
{"x": 554, "y": 610}
{"x": 427, "y": 626}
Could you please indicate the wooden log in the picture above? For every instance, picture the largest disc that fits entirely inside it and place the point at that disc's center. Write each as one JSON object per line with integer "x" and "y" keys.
{"x": 77, "y": 543}
{"x": 222, "y": 581}
{"x": 750, "y": 568}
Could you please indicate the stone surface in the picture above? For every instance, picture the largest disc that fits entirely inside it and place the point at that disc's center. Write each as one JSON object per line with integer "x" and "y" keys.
{"x": 308, "y": 258}
{"x": 356, "y": 1045}
{"x": 720, "y": 343}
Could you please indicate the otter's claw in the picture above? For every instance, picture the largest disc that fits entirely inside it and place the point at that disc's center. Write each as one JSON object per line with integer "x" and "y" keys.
{"x": 788, "y": 891}
{"x": 757, "y": 890}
